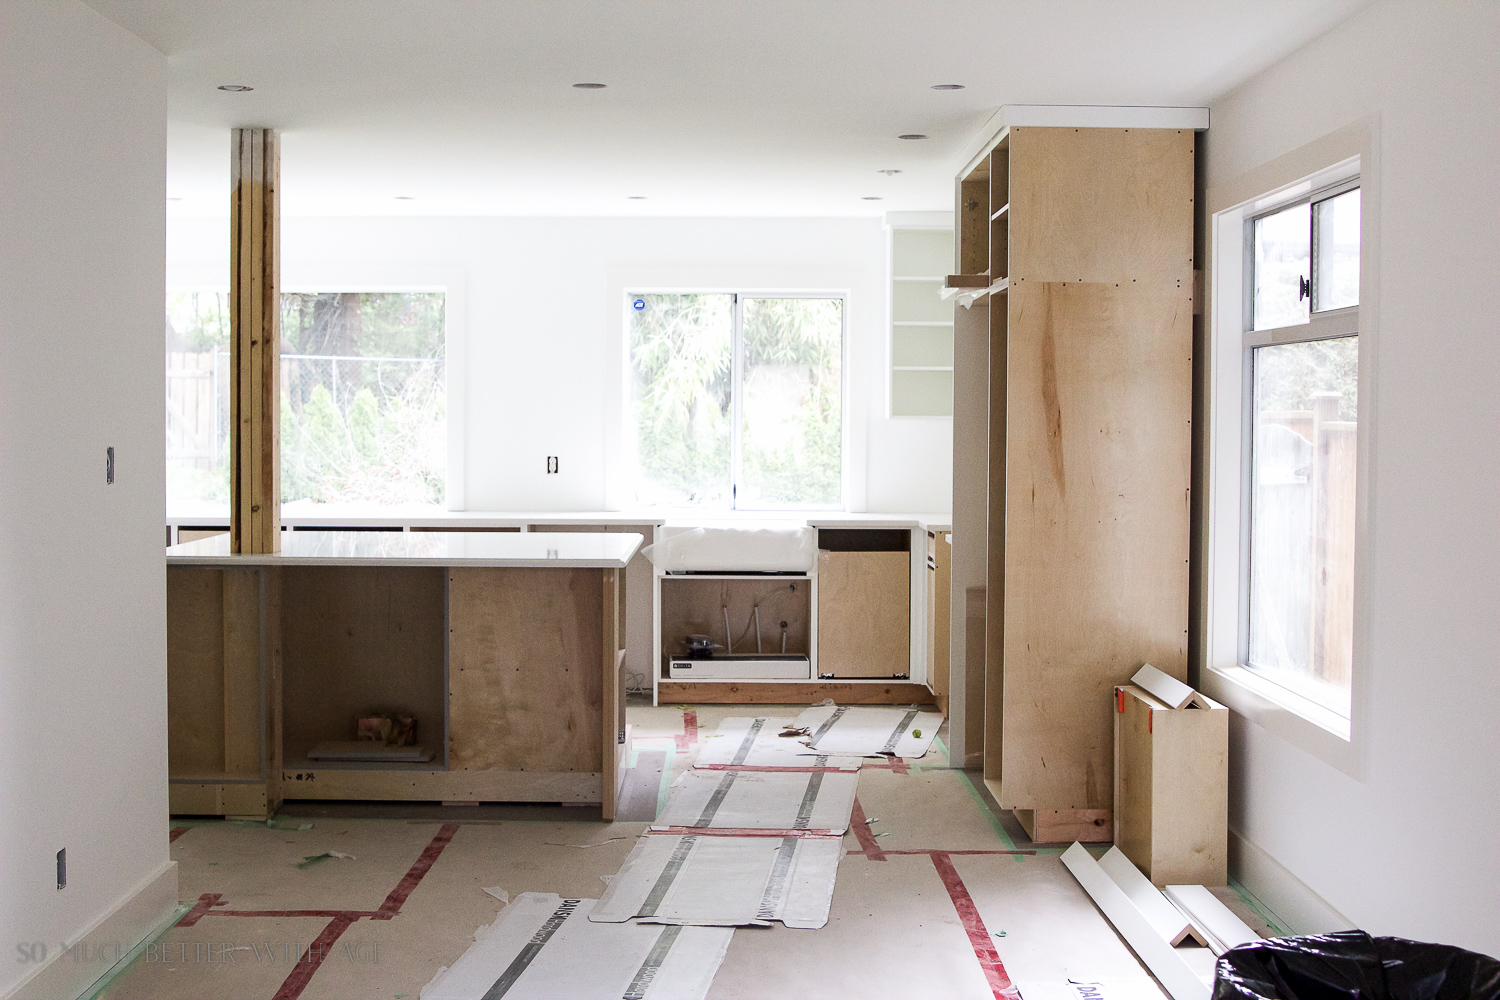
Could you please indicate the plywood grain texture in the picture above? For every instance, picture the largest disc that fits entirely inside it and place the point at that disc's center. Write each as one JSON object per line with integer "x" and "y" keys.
{"x": 356, "y": 640}
{"x": 864, "y": 614}
{"x": 244, "y": 717}
{"x": 526, "y": 686}
{"x": 1101, "y": 205}
{"x": 195, "y": 669}
{"x": 255, "y": 340}
{"x": 1096, "y": 523}
{"x": 995, "y": 531}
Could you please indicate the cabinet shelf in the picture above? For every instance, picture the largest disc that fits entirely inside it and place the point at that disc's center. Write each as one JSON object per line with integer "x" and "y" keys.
{"x": 1004, "y": 210}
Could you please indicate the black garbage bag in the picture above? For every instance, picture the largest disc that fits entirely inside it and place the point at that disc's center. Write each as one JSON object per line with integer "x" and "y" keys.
{"x": 1351, "y": 965}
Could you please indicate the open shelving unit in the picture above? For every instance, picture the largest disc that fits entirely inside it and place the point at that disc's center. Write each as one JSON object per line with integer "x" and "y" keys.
{"x": 921, "y": 323}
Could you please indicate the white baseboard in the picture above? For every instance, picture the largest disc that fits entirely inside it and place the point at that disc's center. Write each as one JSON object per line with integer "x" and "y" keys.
{"x": 1295, "y": 907}
{"x": 94, "y": 952}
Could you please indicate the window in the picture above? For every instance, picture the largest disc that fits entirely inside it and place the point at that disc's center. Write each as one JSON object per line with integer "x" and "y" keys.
{"x": 363, "y": 403}
{"x": 1302, "y": 344}
{"x": 735, "y": 401}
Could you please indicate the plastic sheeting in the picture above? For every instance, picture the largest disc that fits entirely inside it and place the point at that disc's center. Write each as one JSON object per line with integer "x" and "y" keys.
{"x": 1352, "y": 965}
{"x": 750, "y": 549}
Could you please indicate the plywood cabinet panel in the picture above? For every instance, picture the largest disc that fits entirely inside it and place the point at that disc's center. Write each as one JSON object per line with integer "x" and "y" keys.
{"x": 1101, "y": 205}
{"x": 1096, "y": 515}
{"x": 524, "y": 674}
{"x": 864, "y": 614}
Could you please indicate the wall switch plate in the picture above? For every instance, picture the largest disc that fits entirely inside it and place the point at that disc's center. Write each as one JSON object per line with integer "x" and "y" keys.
{"x": 551, "y": 464}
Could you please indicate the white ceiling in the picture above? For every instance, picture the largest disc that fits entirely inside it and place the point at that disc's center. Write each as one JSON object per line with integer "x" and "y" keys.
{"x": 713, "y": 107}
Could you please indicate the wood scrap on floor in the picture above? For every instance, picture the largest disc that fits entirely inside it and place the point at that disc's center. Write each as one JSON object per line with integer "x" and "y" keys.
{"x": 861, "y": 731}
{"x": 542, "y": 947}
{"x": 724, "y": 881}
{"x": 762, "y": 742}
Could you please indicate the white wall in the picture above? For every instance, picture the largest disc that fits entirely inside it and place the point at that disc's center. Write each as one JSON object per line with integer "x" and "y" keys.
{"x": 82, "y": 577}
{"x": 1412, "y": 846}
{"x": 540, "y": 306}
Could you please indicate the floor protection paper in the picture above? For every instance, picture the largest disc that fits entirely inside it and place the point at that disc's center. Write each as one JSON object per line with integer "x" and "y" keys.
{"x": 724, "y": 881}
{"x": 815, "y": 802}
{"x": 543, "y": 947}
{"x": 745, "y": 742}
{"x": 868, "y": 732}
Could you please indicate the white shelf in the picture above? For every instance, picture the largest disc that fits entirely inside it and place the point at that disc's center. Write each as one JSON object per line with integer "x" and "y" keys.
{"x": 1003, "y": 210}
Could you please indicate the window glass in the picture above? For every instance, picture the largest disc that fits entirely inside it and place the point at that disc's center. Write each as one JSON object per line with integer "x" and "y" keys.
{"x": 1283, "y": 249}
{"x": 680, "y": 404}
{"x": 791, "y": 402}
{"x": 363, "y": 397}
{"x": 1303, "y": 457}
{"x": 1337, "y": 286}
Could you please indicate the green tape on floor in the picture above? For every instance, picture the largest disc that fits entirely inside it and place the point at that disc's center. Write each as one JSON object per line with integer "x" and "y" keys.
{"x": 989, "y": 814}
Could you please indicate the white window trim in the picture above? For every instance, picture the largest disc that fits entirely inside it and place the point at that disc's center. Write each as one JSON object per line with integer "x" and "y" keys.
{"x": 749, "y": 282}
{"x": 1344, "y": 154}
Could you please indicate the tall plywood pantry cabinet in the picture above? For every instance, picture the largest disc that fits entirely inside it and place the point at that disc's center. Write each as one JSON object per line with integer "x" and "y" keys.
{"x": 1078, "y": 242}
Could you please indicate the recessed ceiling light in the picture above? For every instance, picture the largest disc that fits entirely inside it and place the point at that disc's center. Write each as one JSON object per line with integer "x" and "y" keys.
{"x": 235, "y": 88}
{"x": 635, "y": 197}
{"x": 174, "y": 197}
{"x": 871, "y": 197}
{"x": 590, "y": 86}
{"x": 911, "y": 135}
{"x": 890, "y": 172}
{"x": 947, "y": 86}
{"x": 404, "y": 197}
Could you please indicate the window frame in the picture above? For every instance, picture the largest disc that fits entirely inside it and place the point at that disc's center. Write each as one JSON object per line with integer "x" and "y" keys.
{"x": 736, "y": 341}
{"x": 1323, "y": 169}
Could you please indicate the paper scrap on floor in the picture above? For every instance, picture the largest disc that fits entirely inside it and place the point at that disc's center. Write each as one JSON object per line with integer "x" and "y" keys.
{"x": 745, "y": 742}
{"x": 542, "y": 947}
{"x": 869, "y": 732}
{"x": 815, "y": 802}
{"x": 724, "y": 881}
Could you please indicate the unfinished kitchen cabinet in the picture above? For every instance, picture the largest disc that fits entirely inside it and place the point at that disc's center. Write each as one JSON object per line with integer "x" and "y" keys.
{"x": 1171, "y": 812}
{"x": 938, "y": 614}
{"x": 864, "y": 603}
{"x": 1086, "y": 237}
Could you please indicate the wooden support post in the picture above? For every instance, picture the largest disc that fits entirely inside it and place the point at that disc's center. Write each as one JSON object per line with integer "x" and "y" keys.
{"x": 255, "y": 341}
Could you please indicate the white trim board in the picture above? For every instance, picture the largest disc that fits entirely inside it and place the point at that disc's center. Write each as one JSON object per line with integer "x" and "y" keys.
{"x": 1210, "y": 918}
{"x": 137, "y": 918}
{"x": 1161, "y": 958}
{"x": 1296, "y": 908}
{"x": 1171, "y": 922}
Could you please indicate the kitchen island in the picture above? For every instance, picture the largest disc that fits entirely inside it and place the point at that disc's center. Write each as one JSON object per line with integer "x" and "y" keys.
{"x": 506, "y": 649}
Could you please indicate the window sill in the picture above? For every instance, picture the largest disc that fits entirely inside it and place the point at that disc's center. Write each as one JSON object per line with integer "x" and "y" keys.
{"x": 1298, "y": 720}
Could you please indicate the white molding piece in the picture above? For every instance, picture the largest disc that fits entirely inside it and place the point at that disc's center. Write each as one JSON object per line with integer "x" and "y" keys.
{"x": 1102, "y": 116}
{"x": 1171, "y": 922}
{"x": 1165, "y": 688}
{"x": 1296, "y": 907}
{"x": 134, "y": 920}
{"x": 1214, "y": 921}
{"x": 1161, "y": 958}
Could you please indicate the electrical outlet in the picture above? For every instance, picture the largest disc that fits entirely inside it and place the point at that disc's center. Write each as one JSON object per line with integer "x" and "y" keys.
{"x": 62, "y": 861}
{"x": 109, "y": 476}
{"x": 551, "y": 464}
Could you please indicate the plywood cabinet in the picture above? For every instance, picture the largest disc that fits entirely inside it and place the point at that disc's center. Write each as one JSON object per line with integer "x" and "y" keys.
{"x": 864, "y": 614}
{"x": 1172, "y": 787}
{"x": 1087, "y": 448}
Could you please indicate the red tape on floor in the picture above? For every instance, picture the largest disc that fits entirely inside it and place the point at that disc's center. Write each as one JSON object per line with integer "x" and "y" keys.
{"x": 979, "y": 936}
{"x": 302, "y": 972}
{"x": 392, "y": 904}
{"x": 689, "y": 737}
{"x": 860, "y": 827}
{"x": 177, "y": 831}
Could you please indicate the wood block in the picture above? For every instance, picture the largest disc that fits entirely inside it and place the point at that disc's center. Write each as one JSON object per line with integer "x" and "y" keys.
{"x": 1172, "y": 788}
{"x": 864, "y": 614}
{"x": 1061, "y": 826}
{"x": 526, "y": 686}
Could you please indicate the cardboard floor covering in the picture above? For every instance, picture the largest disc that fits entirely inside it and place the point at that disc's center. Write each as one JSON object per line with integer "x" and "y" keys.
{"x": 544, "y": 947}
{"x": 818, "y": 802}
{"x": 724, "y": 881}
{"x": 858, "y": 731}
{"x": 745, "y": 742}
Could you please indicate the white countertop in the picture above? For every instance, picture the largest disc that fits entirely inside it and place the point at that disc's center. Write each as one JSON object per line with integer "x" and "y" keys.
{"x": 302, "y": 514}
{"x": 541, "y": 549}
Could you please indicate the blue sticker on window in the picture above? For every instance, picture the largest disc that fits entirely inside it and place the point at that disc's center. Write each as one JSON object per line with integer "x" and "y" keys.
{"x": 639, "y": 304}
